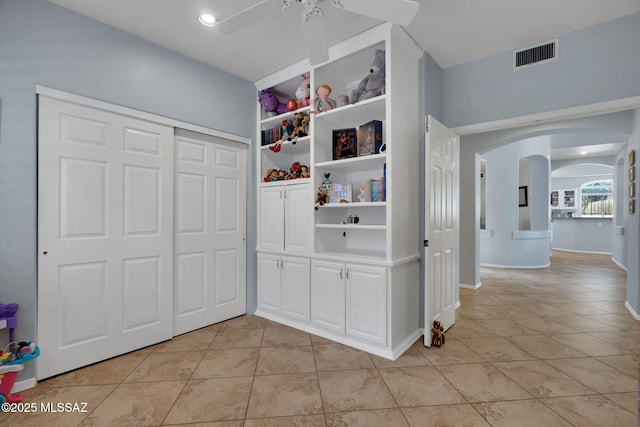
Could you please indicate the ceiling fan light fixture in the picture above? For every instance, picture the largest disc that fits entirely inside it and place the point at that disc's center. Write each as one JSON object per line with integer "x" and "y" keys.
{"x": 207, "y": 20}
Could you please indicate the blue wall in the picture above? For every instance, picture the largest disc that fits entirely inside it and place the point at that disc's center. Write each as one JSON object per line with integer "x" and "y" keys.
{"x": 41, "y": 43}
{"x": 596, "y": 64}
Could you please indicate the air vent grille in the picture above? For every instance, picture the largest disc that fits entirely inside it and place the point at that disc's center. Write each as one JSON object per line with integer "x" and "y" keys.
{"x": 535, "y": 55}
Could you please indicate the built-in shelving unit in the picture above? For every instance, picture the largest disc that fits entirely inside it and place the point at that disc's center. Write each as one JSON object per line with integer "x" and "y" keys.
{"x": 360, "y": 282}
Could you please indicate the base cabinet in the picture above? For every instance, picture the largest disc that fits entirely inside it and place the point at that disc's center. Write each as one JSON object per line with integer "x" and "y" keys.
{"x": 350, "y": 299}
{"x": 284, "y": 286}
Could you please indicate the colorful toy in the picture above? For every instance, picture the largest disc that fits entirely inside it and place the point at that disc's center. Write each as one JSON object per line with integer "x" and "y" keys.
{"x": 270, "y": 103}
{"x": 438, "y": 337}
{"x": 304, "y": 171}
{"x": 292, "y": 105}
{"x": 322, "y": 196}
{"x": 12, "y": 361}
{"x": 323, "y": 102}
{"x": 303, "y": 93}
{"x": 374, "y": 83}
{"x": 326, "y": 181}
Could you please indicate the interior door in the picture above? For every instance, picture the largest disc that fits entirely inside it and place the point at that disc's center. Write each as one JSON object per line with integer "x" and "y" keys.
{"x": 105, "y": 234}
{"x": 441, "y": 222}
{"x": 210, "y": 261}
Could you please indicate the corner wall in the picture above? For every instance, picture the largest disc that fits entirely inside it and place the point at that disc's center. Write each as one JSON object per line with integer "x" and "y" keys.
{"x": 632, "y": 230}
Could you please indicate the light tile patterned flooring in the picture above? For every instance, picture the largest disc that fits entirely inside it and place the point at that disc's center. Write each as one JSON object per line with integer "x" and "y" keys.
{"x": 551, "y": 347}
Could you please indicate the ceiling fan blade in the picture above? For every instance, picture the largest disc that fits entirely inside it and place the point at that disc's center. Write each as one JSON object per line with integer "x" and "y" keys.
{"x": 244, "y": 18}
{"x": 399, "y": 12}
{"x": 316, "y": 37}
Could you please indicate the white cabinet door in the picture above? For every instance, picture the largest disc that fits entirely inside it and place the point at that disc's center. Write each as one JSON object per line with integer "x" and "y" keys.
{"x": 298, "y": 218}
{"x": 271, "y": 217}
{"x": 269, "y": 282}
{"x": 295, "y": 288}
{"x": 327, "y": 295}
{"x": 366, "y": 303}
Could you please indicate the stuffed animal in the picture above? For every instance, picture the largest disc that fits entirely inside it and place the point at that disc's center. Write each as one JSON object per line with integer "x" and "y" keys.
{"x": 304, "y": 171}
{"x": 272, "y": 175}
{"x": 322, "y": 196}
{"x": 373, "y": 84}
{"x": 323, "y": 102}
{"x": 438, "y": 337}
{"x": 303, "y": 93}
{"x": 270, "y": 103}
{"x": 300, "y": 126}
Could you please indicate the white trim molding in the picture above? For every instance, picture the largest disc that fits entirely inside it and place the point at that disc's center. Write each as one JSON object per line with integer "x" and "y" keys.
{"x": 474, "y": 287}
{"x": 524, "y": 267}
{"x": 631, "y": 310}
{"x": 619, "y": 264}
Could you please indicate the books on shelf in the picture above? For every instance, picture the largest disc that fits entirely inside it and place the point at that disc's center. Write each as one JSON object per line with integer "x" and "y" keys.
{"x": 370, "y": 138}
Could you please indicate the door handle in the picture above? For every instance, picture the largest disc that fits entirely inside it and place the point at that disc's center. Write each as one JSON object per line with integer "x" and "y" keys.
{"x": 341, "y": 273}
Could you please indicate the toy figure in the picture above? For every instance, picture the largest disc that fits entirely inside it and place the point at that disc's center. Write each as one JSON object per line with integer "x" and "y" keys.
{"x": 322, "y": 196}
{"x": 373, "y": 84}
{"x": 324, "y": 103}
{"x": 303, "y": 93}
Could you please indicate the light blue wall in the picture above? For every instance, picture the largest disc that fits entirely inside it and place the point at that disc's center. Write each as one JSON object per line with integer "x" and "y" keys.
{"x": 595, "y": 64}
{"x": 632, "y": 229}
{"x": 41, "y": 43}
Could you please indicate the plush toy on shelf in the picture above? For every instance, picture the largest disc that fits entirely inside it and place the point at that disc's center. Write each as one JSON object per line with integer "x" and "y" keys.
{"x": 322, "y": 196}
{"x": 373, "y": 83}
{"x": 303, "y": 93}
{"x": 270, "y": 103}
{"x": 323, "y": 102}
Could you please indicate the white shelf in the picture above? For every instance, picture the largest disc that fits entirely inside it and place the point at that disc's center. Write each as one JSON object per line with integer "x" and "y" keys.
{"x": 301, "y": 146}
{"x": 276, "y": 121}
{"x": 353, "y": 226}
{"x": 356, "y": 256}
{"x": 355, "y": 205}
{"x": 354, "y": 115}
{"x": 355, "y": 164}
{"x": 285, "y": 182}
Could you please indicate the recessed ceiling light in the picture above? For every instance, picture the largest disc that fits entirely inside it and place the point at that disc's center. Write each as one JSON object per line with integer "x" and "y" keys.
{"x": 583, "y": 152}
{"x": 207, "y": 20}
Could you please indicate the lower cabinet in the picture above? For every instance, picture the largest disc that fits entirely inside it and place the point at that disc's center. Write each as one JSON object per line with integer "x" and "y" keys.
{"x": 284, "y": 286}
{"x": 350, "y": 299}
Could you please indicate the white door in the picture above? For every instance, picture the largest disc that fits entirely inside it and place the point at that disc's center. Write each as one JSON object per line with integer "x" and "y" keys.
{"x": 105, "y": 235}
{"x": 328, "y": 295}
{"x": 441, "y": 219}
{"x": 269, "y": 282}
{"x": 271, "y": 218}
{"x": 298, "y": 218}
{"x": 210, "y": 277}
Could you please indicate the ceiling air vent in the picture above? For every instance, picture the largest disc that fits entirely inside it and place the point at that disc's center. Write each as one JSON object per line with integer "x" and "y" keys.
{"x": 535, "y": 55}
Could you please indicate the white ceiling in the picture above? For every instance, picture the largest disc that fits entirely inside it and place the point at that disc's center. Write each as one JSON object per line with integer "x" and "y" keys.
{"x": 451, "y": 31}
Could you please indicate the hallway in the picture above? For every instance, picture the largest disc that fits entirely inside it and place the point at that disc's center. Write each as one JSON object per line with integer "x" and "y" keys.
{"x": 552, "y": 347}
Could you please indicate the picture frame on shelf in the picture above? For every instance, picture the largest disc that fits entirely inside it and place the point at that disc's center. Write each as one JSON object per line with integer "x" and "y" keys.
{"x": 344, "y": 143}
{"x": 370, "y": 138}
{"x": 523, "y": 197}
{"x": 340, "y": 193}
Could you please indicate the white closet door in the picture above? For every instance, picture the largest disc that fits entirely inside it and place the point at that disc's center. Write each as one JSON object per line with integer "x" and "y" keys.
{"x": 105, "y": 235}
{"x": 210, "y": 283}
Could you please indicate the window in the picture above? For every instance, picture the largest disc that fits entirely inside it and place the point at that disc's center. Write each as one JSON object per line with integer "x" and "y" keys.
{"x": 597, "y": 198}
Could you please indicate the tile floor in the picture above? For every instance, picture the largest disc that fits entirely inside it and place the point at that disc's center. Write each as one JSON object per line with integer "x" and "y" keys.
{"x": 552, "y": 347}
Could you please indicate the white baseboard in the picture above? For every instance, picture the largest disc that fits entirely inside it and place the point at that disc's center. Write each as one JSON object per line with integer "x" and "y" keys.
{"x": 516, "y": 266}
{"x": 457, "y": 304}
{"x": 631, "y": 310}
{"x": 465, "y": 286}
{"x": 618, "y": 264}
{"x": 581, "y": 252}
{"x": 24, "y": 385}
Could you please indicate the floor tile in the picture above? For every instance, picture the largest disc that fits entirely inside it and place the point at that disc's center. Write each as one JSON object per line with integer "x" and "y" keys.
{"x": 624, "y": 339}
{"x": 214, "y": 399}
{"x": 595, "y": 375}
{"x": 543, "y": 347}
{"x": 171, "y": 366}
{"x": 340, "y": 357}
{"x": 285, "y": 395}
{"x": 482, "y": 383}
{"x": 411, "y": 357}
{"x": 233, "y": 362}
{"x": 496, "y": 349}
{"x": 196, "y": 340}
{"x": 444, "y": 416}
{"x": 584, "y": 323}
{"x": 593, "y": 411}
{"x": 285, "y": 360}
{"x": 546, "y": 325}
{"x": 542, "y": 380}
{"x": 628, "y": 364}
{"x": 628, "y": 401}
{"x": 141, "y": 404}
{"x": 420, "y": 386}
{"x": 467, "y": 328}
{"x": 244, "y": 322}
{"x": 452, "y": 353}
{"x": 382, "y": 417}
{"x": 506, "y": 327}
{"x": 354, "y": 390}
{"x": 520, "y": 413}
{"x": 295, "y": 421}
{"x": 238, "y": 338}
{"x": 284, "y": 336}
{"x": 589, "y": 345}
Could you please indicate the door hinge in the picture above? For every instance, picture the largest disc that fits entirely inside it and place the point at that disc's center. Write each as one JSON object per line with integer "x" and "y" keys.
{"x": 426, "y": 243}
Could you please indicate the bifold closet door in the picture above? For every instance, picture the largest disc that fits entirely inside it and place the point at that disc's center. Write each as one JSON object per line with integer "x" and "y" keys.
{"x": 105, "y": 224}
{"x": 210, "y": 232}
